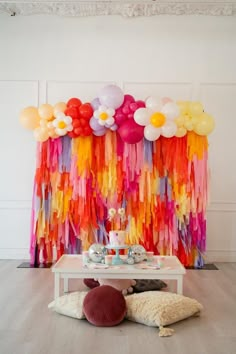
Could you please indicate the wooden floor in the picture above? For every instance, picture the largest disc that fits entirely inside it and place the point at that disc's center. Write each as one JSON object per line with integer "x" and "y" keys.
{"x": 28, "y": 327}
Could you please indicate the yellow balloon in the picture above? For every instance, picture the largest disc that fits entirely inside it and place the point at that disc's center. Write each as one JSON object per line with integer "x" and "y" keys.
{"x": 157, "y": 119}
{"x": 59, "y": 107}
{"x": 46, "y": 111}
{"x": 179, "y": 121}
{"x": 195, "y": 109}
{"x": 29, "y": 118}
{"x": 188, "y": 125}
{"x": 205, "y": 125}
{"x": 41, "y": 134}
{"x": 181, "y": 131}
{"x": 183, "y": 107}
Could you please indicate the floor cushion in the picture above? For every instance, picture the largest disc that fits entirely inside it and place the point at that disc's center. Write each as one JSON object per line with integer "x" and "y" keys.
{"x": 154, "y": 308}
{"x": 148, "y": 285}
{"x": 70, "y": 304}
{"x": 91, "y": 283}
{"x": 104, "y": 306}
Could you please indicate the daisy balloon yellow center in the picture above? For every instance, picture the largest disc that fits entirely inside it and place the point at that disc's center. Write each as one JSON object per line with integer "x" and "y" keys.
{"x": 61, "y": 125}
{"x": 103, "y": 116}
{"x": 157, "y": 119}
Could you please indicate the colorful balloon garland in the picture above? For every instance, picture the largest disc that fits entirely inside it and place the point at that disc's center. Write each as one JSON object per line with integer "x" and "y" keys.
{"x": 114, "y": 152}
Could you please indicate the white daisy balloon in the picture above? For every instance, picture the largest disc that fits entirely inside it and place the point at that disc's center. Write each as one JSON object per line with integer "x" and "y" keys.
{"x": 62, "y": 124}
{"x": 105, "y": 116}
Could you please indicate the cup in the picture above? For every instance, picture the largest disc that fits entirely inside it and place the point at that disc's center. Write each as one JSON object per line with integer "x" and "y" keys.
{"x": 108, "y": 259}
{"x": 149, "y": 256}
{"x": 160, "y": 261}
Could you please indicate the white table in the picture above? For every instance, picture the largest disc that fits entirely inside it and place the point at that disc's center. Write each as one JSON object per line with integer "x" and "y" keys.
{"x": 71, "y": 266}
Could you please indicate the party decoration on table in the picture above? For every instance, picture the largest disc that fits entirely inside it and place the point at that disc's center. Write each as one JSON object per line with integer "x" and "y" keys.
{"x": 137, "y": 253}
{"x": 97, "y": 252}
{"x": 147, "y": 158}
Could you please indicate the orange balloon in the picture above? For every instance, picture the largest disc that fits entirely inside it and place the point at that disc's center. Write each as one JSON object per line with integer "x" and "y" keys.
{"x": 29, "y": 118}
{"x": 46, "y": 111}
{"x": 59, "y": 107}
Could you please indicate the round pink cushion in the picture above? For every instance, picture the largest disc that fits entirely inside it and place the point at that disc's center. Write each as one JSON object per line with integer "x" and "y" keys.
{"x": 91, "y": 283}
{"x": 104, "y": 306}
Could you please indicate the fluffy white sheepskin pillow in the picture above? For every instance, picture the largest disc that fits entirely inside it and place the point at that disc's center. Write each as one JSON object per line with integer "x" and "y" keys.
{"x": 158, "y": 309}
{"x": 70, "y": 304}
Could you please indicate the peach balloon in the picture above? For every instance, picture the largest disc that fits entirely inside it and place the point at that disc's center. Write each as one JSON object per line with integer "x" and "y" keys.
{"x": 59, "y": 107}
{"x": 45, "y": 111}
{"x": 40, "y": 134}
{"x": 29, "y": 118}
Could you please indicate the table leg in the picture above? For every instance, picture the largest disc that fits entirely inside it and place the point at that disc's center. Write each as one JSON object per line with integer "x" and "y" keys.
{"x": 56, "y": 285}
{"x": 180, "y": 285}
{"x": 66, "y": 285}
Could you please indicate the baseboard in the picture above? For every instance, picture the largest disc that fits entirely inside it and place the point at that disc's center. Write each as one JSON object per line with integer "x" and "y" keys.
{"x": 210, "y": 256}
{"x": 14, "y": 253}
{"x": 220, "y": 256}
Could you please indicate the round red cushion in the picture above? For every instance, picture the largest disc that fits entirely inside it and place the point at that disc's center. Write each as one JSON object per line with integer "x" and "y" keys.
{"x": 104, "y": 306}
{"x": 91, "y": 283}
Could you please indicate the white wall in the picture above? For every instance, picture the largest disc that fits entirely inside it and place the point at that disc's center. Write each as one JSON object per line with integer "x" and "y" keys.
{"x": 46, "y": 58}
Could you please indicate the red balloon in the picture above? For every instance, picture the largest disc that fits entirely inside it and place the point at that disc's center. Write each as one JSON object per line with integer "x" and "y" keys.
{"x": 72, "y": 112}
{"x": 78, "y": 131}
{"x": 83, "y": 122}
{"x": 86, "y": 110}
{"x": 72, "y": 134}
{"x": 76, "y": 123}
{"x": 74, "y": 102}
{"x": 131, "y": 132}
{"x": 87, "y": 131}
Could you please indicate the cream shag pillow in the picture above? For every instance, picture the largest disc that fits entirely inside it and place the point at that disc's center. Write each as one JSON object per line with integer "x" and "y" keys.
{"x": 70, "y": 304}
{"x": 159, "y": 309}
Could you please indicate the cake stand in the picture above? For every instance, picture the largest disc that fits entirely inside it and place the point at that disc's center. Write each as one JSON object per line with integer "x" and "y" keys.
{"x": 116, "y": 259}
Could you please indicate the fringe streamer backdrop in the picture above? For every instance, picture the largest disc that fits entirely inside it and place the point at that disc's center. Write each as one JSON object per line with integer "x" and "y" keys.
{"x": 163, "y": 186}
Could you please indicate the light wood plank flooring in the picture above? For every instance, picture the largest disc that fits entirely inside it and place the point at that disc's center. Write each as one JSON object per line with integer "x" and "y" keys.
{"x": 28, "y": 327}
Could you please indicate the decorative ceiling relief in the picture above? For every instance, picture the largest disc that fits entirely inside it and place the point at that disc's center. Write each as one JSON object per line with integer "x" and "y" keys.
{"x": 123, "y": 8}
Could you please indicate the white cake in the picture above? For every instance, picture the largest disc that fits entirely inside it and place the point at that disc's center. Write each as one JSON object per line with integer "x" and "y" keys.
{"x": 116, "y": 238}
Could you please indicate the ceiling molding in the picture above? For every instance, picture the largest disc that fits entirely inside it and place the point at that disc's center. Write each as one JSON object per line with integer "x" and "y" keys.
{"x": 123, "y": 8}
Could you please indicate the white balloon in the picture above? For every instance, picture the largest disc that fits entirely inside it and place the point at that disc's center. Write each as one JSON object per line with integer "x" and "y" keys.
{"x": 151, "y": 133}
{"x": 170, "y": 110}
{"x": 142, "y": 116}
{"x": 169, "y": 129}
{"x": 153, "y": 103}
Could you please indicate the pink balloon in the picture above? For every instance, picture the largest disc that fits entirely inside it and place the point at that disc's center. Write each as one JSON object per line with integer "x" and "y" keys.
{"x": 165, "y": 100}
{"x": 133, "y": 106}
{"x": 125, "y": 109}
{"x": 130, "y": 115}
{"x": 128, "y": 99}
{"x": 140, "y": 104}
{"x": 131, "y": 132}
{"x": 120, "y": 117}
